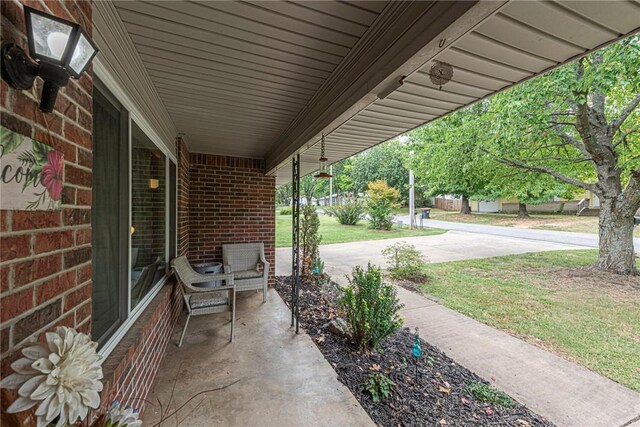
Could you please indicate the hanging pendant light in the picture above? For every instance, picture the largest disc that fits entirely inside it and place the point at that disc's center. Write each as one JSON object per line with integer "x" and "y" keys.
{"x": 322, "y": 170}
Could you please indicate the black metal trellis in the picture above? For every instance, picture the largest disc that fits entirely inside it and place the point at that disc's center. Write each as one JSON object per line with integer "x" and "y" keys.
{"x": 295, "y": 243}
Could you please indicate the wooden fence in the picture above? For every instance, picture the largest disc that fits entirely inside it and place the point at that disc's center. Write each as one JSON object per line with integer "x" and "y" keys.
{"x": 448, "y": 204}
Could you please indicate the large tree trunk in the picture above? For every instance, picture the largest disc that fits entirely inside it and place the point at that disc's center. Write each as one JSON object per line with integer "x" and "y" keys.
{"x": 616, "y": 239}
{"x": 522, "y": 211}
{"x": 464, "y": 206}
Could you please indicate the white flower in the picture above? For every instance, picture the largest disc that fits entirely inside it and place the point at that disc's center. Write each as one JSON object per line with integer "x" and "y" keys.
{"x": 122, "y": 417}
{"x": 63, "y": 376}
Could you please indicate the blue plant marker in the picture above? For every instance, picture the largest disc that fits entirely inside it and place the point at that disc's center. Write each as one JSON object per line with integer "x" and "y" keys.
{"x": 315, "y": 269}
{"x": 417, "y": 350}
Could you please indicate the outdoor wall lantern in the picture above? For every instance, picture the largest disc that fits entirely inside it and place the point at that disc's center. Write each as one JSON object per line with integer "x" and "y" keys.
{"x": 322, "y": 169}
{"x": 58, "y": 49}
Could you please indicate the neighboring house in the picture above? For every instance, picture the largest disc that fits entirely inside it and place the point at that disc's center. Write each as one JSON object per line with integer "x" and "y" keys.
{"x": 584, "y": 203}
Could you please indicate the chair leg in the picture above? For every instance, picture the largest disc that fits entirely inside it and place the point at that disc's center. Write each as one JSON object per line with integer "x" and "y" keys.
{"x": 233, "y": 315}
{"x": 264, "y": 294}
{"x": 184, "y": 329}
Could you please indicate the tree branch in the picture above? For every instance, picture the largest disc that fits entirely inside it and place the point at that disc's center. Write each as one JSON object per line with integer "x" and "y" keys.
{"x": 631, "y": 194}
{"x": 624, "y": 136}
{"x": 615, "y": 125}
{"x": 553, "y": 173}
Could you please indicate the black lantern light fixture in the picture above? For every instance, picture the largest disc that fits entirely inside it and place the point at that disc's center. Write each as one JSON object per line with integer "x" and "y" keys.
{"x": 58, "y": 49}
{"x": 322, "y": 169}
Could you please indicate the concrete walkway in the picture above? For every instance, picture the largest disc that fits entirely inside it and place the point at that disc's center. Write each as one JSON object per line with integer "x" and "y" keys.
{"x": 283, "y": 379}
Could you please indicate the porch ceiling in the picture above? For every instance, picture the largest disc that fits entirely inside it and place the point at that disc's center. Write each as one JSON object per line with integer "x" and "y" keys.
{"x": 234, "y": 75}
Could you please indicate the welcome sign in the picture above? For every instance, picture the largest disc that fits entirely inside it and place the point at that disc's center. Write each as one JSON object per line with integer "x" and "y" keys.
{"x": 31, "y": 173}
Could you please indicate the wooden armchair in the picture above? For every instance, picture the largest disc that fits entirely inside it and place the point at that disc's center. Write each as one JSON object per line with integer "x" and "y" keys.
{"x": 205, "y": 300}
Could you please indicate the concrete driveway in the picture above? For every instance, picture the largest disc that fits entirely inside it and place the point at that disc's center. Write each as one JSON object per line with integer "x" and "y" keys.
{"x": 340, "y": 258}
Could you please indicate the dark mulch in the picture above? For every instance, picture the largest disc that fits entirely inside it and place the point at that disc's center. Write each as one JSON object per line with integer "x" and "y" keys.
{"x": 434, "y": 397}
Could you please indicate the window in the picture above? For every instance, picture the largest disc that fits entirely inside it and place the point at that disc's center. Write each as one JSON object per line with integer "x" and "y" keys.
{"x": 133, "y": 217}
{"x": 109, "y": 213}
{"x": 148, "y": 214}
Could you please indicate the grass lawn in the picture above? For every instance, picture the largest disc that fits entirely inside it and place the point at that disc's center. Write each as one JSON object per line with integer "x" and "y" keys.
{"x": 334, "y": 232}
{"x": 560, "y": 222}
{"x": 585, "y": 315}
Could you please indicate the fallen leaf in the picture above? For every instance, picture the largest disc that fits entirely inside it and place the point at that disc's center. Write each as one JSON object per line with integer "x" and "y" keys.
{"x": 375, "y": 367}
{"x": 488, "y": 411}
{"x": 465, "y": 401}
{"x": 443, "y": 422}
{"x": 522, "y": 423}
{"x": 444, "y": 390}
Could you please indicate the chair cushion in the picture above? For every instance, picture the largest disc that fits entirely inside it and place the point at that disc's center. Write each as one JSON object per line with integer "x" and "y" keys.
{"x": 210, "y": 300}
{"x": 247, "y": 274}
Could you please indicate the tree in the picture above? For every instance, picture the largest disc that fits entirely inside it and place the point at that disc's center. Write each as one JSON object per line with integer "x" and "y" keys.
{"x": 448, "y": 159}
{"x": 381, "y": 201}
{"x": 309, "y": 187}
{"x": 383, "y": 162}
{"x": 283, "y": 195}
{"x": 579, "y": 124}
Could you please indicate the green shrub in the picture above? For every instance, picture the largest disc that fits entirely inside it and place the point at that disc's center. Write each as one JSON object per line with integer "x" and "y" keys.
{"x": 286, "y": 210}
{"x": 404, "y": 261}
{"x": 347, "y": 213}
{"x": 382, "y": 200}
{"x": 379, "y": 386}
{"x": 370, "y": 307}
{"x": 487, "y": 394}
{"x": 309, "y": 240}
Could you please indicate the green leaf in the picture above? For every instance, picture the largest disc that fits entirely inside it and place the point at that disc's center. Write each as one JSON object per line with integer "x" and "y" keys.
{"x": 41, "y": 151}
{"x": 9, "y": 141}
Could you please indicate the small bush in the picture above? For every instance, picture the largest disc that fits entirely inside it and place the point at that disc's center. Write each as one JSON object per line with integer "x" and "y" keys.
{"x": 379, "y": 386}
{"x": 347, "y": 213}
{"x": 287, "y": 210}
{"x": 370, "y": 307}
{"x": 487, "y": 394}
{"x": 381, "y": 202}
{"x": 309, "y": 240}
{"x": 404, "y": 261}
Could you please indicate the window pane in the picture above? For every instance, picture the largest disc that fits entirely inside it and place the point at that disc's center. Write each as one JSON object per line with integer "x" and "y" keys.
{"x": 109, "y": 215}
{"x": 148, "y": 214}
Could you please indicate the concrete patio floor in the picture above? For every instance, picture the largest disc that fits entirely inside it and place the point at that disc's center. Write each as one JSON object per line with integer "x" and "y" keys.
{"x": 284, "y": 380}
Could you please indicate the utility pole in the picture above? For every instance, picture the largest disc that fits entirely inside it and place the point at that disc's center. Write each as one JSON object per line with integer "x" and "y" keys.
{"x": 331, "y": 185}
{"x": 412, "y": 206}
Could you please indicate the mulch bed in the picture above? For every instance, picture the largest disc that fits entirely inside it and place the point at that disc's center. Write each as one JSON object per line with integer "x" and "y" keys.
{"x": 433, "y": 397}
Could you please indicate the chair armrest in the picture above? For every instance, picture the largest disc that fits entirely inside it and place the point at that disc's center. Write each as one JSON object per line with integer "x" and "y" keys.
{"x": 195, "y": 290}
{"x": 201, "y": 278}
{"x": 227, "y": 269}
{"x": 263, "y": 259}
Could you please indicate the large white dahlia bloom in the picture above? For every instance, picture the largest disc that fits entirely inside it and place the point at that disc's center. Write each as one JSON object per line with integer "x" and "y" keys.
{"x": 61, "y": 376}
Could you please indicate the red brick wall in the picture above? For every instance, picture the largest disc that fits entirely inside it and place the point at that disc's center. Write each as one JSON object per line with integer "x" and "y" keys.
{"x": 132, "y": 367}
{"x": 230, "y": 201}
{"x": 45, "y": 256}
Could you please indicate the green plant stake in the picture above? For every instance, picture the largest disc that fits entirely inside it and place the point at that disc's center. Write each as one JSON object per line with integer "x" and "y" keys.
{"x": 417, "y": 350}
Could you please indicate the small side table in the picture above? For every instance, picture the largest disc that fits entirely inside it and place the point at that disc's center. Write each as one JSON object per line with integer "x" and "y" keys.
{"x": 209, "y": 268}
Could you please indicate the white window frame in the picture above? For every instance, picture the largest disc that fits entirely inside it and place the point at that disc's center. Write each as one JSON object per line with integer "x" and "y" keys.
{"x": 135, "y": 116}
